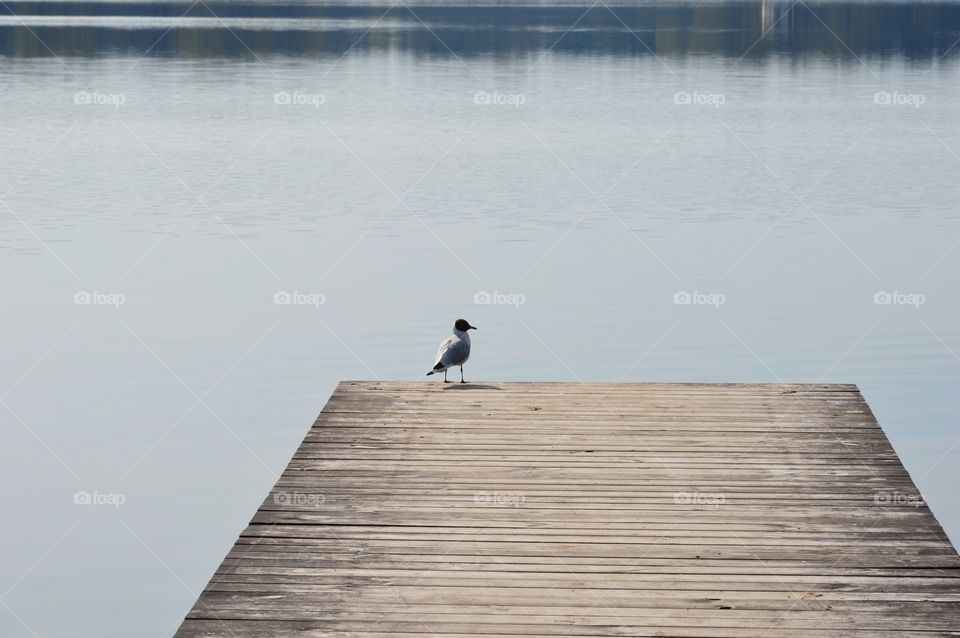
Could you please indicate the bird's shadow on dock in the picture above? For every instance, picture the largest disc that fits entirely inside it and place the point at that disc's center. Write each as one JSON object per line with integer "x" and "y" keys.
{"x": 471, "y": 386}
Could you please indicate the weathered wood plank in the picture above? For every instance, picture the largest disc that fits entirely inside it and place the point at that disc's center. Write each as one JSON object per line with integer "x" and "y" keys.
{"x": 553, "y": 509}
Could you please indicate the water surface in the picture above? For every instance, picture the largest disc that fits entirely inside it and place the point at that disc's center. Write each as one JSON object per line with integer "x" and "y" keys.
{"x": 179, "y": 166}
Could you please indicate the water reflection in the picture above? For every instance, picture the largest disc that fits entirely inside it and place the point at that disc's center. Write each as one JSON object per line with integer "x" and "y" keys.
{"x": 915, "y": 31}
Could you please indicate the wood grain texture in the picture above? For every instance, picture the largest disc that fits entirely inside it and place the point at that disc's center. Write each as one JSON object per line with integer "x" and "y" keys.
{"x": 589, "y": 509}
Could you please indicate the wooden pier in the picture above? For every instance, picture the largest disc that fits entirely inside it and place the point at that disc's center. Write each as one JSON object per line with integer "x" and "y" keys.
{"x": 574, "y": 509}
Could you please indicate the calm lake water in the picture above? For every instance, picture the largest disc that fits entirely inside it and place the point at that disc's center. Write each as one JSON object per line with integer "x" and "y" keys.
{"x": 175, "y": 170}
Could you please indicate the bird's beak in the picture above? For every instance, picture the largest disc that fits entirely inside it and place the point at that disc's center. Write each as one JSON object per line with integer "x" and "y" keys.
{"x": 472, "y": 328}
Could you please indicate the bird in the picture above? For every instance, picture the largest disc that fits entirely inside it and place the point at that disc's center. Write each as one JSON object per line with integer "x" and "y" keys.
{"x": 454, "y": 350}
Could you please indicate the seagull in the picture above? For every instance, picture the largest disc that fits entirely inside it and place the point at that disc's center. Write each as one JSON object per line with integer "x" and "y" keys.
{"x": 454, "y": 350}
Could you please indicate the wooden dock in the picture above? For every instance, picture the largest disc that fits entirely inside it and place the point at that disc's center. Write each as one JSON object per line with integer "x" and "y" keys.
{"x": 571, "y": 509}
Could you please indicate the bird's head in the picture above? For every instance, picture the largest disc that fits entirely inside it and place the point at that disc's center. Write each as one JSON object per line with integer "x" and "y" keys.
{"x": 463, "y": 325}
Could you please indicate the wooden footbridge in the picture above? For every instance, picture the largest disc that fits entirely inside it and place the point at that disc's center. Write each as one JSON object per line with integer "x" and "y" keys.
{"x": 574, "y": 509}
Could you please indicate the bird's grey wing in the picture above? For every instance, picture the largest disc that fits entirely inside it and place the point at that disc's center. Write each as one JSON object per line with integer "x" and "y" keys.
{"x": 456, "y": 353}
{"x": 442, "y": 350}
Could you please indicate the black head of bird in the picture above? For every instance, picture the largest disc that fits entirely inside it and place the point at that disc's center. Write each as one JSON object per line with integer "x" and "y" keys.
{"x": 463, "y": 325}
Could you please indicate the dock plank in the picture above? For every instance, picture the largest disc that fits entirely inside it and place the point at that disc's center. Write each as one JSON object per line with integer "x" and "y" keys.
{"x": 589, "y": 509}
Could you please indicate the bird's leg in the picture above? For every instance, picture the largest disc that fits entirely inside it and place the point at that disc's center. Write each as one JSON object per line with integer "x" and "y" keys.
{"x": 445, "y": 377}
{"x": 461, "y": 375}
